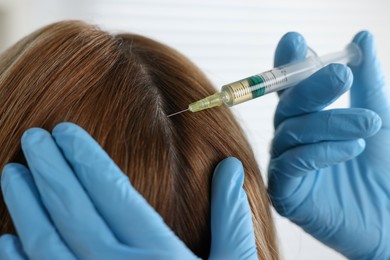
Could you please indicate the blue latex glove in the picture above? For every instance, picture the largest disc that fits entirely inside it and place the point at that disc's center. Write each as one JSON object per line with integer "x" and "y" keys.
{"x": 330, "y": 170}
{"x": 74, "y": 203}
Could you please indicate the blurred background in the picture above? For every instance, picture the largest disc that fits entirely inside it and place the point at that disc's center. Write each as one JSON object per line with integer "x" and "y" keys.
{"x": 228, "y": 40}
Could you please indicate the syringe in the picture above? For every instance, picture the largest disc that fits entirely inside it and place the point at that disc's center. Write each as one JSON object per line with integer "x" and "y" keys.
{"x": 275, "y": 79}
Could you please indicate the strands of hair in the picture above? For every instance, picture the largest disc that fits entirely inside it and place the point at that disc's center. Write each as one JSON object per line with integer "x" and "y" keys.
{"x": 120, "y": 88}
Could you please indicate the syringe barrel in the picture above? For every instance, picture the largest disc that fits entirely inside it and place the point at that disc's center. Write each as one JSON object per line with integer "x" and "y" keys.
{"x": 269, "y": 81}
{"x": 285, "y": 76}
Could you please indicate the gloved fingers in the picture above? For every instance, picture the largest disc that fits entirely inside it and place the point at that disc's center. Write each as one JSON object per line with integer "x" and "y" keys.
{"x": 65, "y": 200}
{"x": 315, "y": 93}
{"x": 133, "y": 221}
{"x": 285, "y": 170}
{"x": 232, "y": 230}
{"x": 369, "y": 89}
{"x": 291, "y": 47}
{"x": 32, "y": 223}
{"x": 11, "y": 248}
{"x": 329, "y": 125}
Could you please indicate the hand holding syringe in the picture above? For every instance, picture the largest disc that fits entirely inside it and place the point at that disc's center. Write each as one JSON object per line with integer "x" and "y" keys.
{"x": 274, "y": 80}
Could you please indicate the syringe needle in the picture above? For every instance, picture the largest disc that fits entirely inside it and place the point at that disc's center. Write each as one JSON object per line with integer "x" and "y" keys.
{"x": 178, "y": 112}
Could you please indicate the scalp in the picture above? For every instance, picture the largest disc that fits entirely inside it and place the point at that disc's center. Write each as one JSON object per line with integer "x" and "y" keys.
{"x": 120, "y": 89}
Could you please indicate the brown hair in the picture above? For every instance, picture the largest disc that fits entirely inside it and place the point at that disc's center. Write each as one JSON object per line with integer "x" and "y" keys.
{"x": 120, "y": 89}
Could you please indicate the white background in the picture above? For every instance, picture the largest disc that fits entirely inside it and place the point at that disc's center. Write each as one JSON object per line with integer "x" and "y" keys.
{"x": 229, "y": 40}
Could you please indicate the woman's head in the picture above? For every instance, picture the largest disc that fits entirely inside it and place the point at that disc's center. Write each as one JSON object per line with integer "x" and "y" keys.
{"x": 120, "y": 88}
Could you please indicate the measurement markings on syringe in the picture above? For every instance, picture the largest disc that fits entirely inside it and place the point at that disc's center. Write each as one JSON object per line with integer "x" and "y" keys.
{"x": 242, "y": 91}
{"x": 256, "y": 85}
{"x": 273, "y": 79}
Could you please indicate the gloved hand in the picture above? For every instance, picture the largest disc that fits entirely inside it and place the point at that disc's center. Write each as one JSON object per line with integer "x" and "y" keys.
{"x": 74, "y": 203}
{"x": 330, "y": 169}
